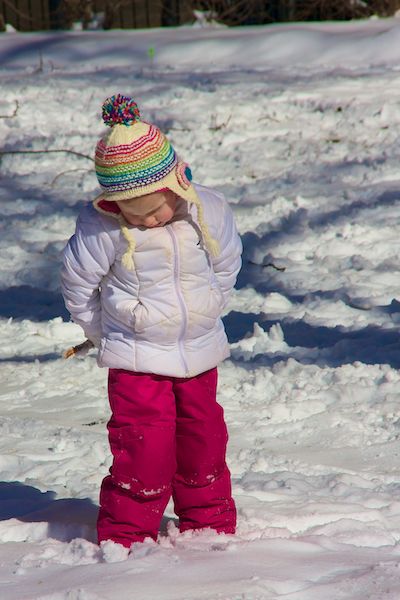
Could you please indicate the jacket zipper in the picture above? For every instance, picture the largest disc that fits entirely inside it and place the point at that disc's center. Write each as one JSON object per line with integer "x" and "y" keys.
{"x": 180, "y": 298}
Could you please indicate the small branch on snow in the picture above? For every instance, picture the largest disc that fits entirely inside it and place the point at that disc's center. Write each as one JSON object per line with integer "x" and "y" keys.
{"x": 92, "y": 423}
{"x": 5, "y": 152}
{"x": 268, "y": 118}
{"x": 65, "y": 172}
{"x": 215, "y": 127}
{"x": 14, "y": 114}
{"x": 267, "y": 265}
{"x": 180, "y": 129}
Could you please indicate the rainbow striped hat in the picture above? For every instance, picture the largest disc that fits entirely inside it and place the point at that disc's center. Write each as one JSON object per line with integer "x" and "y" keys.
{"x": 135, "y": 158}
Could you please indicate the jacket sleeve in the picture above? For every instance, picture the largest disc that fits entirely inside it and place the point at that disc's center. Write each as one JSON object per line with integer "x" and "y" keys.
{"x": 227, "y": 264}
{"x": 87, "y": 257}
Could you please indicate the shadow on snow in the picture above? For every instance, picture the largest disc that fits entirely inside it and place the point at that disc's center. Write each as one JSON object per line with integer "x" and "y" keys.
{"x": 325, "y": 346}
{"x": 334, "y": 346}
{"x": 67, "y": 518}
{"x": 26, "y": 302}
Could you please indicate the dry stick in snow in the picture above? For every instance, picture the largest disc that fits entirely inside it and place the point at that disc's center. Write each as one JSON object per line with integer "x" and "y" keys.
{"x": 5, "y": 152}
{"x": 214, "y": 126}
{"x": 217, "y": 127}
{"x": 14, "y": 114}
{"x": 65, "y": 172}
{"x": 264, "y": 266}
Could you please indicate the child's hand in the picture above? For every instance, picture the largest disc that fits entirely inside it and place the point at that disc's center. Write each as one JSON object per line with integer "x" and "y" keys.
{"x": 79, "y": 350}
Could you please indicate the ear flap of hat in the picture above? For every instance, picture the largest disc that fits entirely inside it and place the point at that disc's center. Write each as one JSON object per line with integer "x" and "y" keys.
{"x": 179, "y": 181}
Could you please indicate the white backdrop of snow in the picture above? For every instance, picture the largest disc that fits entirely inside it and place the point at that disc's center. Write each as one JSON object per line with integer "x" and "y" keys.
{"x": 299, "y": 126}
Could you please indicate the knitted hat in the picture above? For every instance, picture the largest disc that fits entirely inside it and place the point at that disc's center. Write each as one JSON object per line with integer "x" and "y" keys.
{"x": 134, "y": 159}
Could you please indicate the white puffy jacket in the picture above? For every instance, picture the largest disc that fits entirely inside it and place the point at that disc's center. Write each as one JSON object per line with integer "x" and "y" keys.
{"x": 162, "y": 317}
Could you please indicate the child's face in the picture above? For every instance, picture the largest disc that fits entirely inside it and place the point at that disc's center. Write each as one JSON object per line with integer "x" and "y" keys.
{"x": 155, "y": 218}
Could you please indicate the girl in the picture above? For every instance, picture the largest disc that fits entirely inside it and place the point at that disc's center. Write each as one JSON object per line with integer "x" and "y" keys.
{"x": 147, "y": 274}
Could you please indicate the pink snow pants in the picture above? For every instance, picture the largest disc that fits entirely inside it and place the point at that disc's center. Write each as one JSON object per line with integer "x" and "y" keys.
{"x": 168, "y": 437}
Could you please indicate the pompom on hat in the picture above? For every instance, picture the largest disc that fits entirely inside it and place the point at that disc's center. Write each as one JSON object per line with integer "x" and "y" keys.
{"x": 135, "y": 158}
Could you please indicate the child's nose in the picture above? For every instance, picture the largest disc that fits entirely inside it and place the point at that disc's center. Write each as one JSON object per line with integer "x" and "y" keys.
{"x": 149, "y": 221}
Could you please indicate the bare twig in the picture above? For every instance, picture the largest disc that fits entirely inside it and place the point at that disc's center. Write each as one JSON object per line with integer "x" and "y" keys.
{"x": 180, "y": 129}
{"x": 65, "y": 172}
{"x": 14, "y": 114}
{"x": 40, "y": 68}
{"x": 5, "y": 152}
{"x": 251, "y": 262}
{"x": 268, "y": 118}
{"x": 213, "y": 126}
{"x": 216, "y": 127}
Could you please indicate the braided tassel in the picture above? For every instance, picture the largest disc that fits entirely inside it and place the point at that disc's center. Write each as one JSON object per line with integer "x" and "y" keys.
{"x": 127, "y": 259}
{"x": 211, "y": 244}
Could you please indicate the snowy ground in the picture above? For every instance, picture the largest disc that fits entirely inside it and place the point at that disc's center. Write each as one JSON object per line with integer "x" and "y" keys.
{"x": 299, "y": 125}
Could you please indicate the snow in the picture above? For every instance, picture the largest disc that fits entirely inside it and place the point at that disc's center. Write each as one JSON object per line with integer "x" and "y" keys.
{"x": 299, "y": 126}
